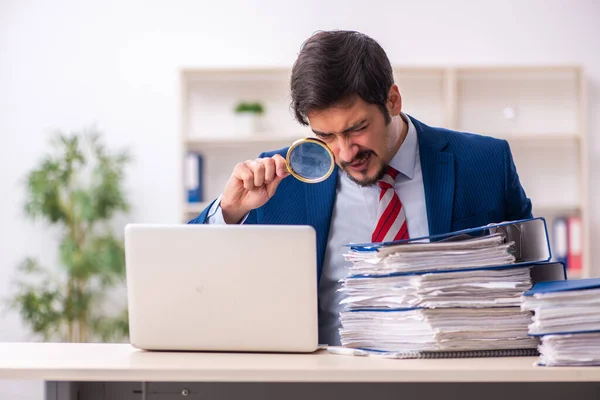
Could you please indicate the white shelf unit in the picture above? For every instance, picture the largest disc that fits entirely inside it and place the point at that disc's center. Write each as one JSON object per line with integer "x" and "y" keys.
{"x": 540, "y": 110}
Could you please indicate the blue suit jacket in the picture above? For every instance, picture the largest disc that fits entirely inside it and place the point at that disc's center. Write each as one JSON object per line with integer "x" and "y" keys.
{"x": 470, "y": 180}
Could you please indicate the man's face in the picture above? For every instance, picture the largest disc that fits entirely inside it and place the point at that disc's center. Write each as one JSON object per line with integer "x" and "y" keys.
{"x": 361, "y": 141}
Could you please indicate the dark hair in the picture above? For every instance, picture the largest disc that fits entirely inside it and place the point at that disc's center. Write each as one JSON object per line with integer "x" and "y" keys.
{"x": 334, "y": 66}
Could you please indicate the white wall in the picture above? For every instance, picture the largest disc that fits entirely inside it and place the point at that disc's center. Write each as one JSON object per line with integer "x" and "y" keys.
{"x": 66, "y": 64}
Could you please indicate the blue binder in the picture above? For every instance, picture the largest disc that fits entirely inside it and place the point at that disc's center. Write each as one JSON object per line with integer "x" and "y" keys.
{"x": 553, "y": 271}
{"x": 556, "y": 286}
{"x": 532, "y": 243}
{"x": 532, "y": 249}
{"x": 563, "y": 286}
{"x": 561, "y": 240}
{"x": 194, "y": 166}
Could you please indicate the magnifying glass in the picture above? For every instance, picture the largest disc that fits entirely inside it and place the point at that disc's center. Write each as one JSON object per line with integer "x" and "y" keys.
{"x": 310, "y": 160}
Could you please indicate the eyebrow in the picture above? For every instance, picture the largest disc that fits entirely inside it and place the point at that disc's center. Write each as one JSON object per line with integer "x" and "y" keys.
{"x": 350, "y": 129}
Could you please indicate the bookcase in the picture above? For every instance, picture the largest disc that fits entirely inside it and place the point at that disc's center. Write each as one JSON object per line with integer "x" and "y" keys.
{"x": 539, "y": 110}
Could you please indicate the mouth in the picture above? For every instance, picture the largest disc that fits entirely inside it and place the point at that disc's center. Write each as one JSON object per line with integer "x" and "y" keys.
{"x": 360, "y": 164}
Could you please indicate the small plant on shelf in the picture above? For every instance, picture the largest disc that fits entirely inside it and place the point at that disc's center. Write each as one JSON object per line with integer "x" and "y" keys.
{"x": 249, "y": 117}
{"x": 250, "y": 108}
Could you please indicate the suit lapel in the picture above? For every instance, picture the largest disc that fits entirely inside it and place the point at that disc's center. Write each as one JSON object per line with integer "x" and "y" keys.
{"x": 319, "y": 207}
{"x": 437, "y": 164}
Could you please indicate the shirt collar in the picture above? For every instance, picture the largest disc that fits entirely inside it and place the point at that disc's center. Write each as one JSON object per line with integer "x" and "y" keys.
{"x": 406, "y": 156}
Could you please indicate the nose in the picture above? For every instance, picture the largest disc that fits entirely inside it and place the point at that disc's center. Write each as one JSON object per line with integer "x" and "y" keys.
{"x": 346, "y": 150}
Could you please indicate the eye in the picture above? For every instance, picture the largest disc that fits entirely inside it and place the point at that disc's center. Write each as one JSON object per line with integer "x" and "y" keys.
{"x": 324, "y": 137}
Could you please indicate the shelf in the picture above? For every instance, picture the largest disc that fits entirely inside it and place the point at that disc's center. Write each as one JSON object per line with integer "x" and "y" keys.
{"x": 422, "y": 93}
{"x": 242, "y": 141}
{"x": 575, "y": 274}
{"x": 552, "y": 139}
{"x": 539, "y": 139}
{"x": 234, "y": 74}
{"x": 556, "y": 209}
{"x": 534, "y": 100}
{"x": 540, "y": 110}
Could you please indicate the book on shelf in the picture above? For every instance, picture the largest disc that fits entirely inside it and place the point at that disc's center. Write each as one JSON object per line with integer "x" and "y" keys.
{"x": 568, "y": 243}
{"x": 194, "y": 188}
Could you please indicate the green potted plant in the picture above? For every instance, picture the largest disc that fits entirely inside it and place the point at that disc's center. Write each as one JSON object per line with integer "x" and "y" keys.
{"x": 77, "y": 189}
{"x": 248, "y": 117}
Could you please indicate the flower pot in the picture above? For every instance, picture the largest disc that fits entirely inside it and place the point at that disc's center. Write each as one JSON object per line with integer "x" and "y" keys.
{"x": 247, "y": 124}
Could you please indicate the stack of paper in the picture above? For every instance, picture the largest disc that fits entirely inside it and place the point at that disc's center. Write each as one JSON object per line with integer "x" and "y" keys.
{"x": 567, "y": 317}
{"x": 458, "y": 295}
{"x": 480, "y": 288}
{"x": 578, "y": 349}
{"x": 439, "y": 329}
{"x": 472, "y": 253}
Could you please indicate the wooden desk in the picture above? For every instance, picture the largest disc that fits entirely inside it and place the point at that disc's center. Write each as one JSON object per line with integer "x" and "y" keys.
{"x": 119, "y": 371}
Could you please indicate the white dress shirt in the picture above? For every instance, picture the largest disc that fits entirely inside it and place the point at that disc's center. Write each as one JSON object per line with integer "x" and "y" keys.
{"x": 353, "y": 220}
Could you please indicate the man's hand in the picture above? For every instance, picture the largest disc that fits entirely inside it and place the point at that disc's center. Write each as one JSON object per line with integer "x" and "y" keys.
{"x": 251, "y": 184}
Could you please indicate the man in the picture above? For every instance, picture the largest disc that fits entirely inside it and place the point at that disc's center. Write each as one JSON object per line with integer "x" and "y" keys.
{"x": 439, "y": 181}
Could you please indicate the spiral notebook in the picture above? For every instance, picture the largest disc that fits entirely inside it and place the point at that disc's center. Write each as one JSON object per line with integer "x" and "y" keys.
{"x": 531, "y": 352}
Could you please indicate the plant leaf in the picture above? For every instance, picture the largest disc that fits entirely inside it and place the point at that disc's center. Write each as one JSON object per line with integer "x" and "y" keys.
{"x": 78, "y": 187}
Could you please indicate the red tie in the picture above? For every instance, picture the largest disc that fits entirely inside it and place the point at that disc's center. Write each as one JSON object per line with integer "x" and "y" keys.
{"x": 391, "y": 222}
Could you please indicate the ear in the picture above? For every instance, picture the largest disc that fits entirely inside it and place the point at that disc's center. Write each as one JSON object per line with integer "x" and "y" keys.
{"x": 394, "y": 103}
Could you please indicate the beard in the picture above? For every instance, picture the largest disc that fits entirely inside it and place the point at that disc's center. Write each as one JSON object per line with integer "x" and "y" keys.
{"x": 365, "y": 180}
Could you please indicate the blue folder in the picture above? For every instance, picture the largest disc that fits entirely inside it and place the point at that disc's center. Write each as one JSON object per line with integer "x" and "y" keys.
{"x": 563, "y": 286}
{"x": 534, "y": 229}
{"x": 556, "y": 286}
{"x": 194, "y": 177}
{"x": 532, "y": 243}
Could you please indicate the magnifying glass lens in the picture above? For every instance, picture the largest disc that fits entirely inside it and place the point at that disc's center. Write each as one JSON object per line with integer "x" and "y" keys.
{"x": 310, "y": 160}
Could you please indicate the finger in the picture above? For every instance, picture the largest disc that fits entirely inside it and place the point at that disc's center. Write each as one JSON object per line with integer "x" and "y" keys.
{"x": 244, "y": 174}
{"x": 258, "y": 170}
{"x": 269, "y": 165}
{"x": 272, "y": 187}
{"x": 280, "y": 166}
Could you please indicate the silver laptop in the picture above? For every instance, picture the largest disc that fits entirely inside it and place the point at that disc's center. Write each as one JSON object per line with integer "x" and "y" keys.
{"x": 250, "y": 288}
